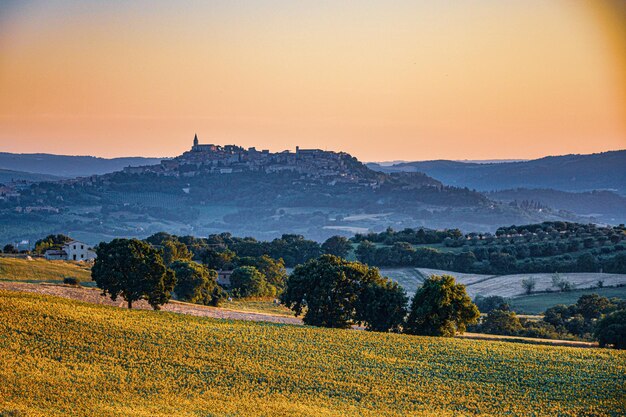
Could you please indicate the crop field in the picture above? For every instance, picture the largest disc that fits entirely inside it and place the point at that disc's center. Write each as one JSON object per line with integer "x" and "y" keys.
{"x": 260, "y": 305}
{"x": 62, "y": 357}
{"x": 41, "y": 270}
{"x": 502, "y": 285}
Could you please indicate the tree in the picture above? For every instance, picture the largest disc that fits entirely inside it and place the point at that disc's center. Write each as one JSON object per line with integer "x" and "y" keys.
{"x": 381, "y": 305}
{"x": 218, "y": 259}
{"x": 592, "y": 306}
{"x": 174, "y": 250}
{"x": 273, "y": 270}
{"x": 529, "y": 284}
{"x": 9, "y": 249}
{"x": 195, "y": 283}
{"x": 338, "y": 293}
{"x": 561, "y": 283}
{"x": 501, "y": 322}
{"x": 366, "y": 252}
{"x": 337, "y": 245}
{"x": 490, "y": 303}
{"x": 558, "y": 315}
{"x": 441, "y": 307}
{"x": 611, "y": 330}
{"x": 133, "y": 270}
{"x": 51, "y": 242}
{"x": 586, "y": 262}
{"x": 247, "y": 281}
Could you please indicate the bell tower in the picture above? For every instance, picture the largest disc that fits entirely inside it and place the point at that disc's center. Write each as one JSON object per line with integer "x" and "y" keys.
{"x": 195, "y": 140}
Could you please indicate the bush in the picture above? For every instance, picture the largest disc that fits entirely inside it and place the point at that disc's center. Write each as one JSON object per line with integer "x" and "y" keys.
{"x": 529, "y": 284}
{"x": 70, "y": 281}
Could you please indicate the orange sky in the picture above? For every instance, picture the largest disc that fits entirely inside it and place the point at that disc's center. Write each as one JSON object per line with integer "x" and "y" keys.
{"x": 383, "y": 80}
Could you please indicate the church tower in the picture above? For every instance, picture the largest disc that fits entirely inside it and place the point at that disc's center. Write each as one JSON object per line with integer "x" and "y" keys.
{"x": 195, "y": 140}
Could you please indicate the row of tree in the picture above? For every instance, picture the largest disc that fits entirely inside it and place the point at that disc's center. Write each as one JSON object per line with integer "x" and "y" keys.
{"x": 332, "y": 292}
{"x": 403, "y": 254}
{"x": 592, "y": 317}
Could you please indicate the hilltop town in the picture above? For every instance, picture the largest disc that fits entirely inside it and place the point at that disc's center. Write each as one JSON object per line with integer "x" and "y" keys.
{"x": 316, "y": 164}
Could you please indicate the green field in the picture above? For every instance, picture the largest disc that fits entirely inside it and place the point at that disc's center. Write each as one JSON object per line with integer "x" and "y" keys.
{"x": 62, "y": 357}
{"x": 535, "y": 304}
{"x": 41, "y": 270}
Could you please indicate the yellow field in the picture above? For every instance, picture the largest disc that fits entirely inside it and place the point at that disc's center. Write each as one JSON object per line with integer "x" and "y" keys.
{"x": 37, "y": 269}
{"x": 62, "y": 357}
{"x": 257, "y": 305}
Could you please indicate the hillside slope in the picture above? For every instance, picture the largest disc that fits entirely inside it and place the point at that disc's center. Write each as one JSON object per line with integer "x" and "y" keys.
{"x": 68, "y": 165}
{"x": 62, "y": 357}
{"x": 598, "y": 171}
{"x": 7, "y": 176}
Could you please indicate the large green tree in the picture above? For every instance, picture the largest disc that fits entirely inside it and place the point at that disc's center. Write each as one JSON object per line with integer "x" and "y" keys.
{"x": 133, "y": 270}
{"x": 611, "y": 330}
{"x": 441, "y": 307}
{"x": 195, "y": 283}
{"x": 247, "y": 281}
{"x": 273, "y": 270}
{"x": 332, "y": 292}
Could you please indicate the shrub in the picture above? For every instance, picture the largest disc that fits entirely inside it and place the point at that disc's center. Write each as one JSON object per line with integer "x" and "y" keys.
{"x": 529, "y": 284}
{"x": 70, "y": 281}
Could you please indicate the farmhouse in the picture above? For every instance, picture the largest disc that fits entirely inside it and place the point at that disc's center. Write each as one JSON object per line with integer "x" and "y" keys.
{"x": 223, "y": 277}
{"x": 72, "y": 251}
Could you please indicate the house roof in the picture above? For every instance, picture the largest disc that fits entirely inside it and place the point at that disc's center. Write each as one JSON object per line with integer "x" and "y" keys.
{"x": 55, "y": 252}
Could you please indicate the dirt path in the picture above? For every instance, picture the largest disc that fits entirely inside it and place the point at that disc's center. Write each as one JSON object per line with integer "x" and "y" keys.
{"x": 93, "y": 296}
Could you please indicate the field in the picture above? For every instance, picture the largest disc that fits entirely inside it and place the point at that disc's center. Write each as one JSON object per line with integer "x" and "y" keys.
{"x": 64, "y": 357}
{"x": 502, "y": 285}
{"x": 260, "y": 305}
{"x": 538, "y": 303}
{"x": 41, "y": 270}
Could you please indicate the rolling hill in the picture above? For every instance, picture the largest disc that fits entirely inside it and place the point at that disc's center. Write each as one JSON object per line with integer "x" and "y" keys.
{"x": 7, "y": 176}
{"x": 605, "y": 206}
{"x": 65, "y": 357}
{"x": 601, "y": 171}
{"x": 66, "y": 165}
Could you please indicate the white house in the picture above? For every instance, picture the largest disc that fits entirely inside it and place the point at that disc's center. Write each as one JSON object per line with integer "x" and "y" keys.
{"x": 72, "y": 251}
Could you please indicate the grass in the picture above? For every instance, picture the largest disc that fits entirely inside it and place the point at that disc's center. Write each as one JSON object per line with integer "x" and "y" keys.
{"x": 257, "y": 305}
{"x": 538, "y": 303}
{"x": 63, "y": 357}
{"x": 42, "y": 270}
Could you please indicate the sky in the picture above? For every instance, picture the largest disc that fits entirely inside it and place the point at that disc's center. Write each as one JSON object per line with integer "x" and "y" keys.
{"x": 382, "y": 80}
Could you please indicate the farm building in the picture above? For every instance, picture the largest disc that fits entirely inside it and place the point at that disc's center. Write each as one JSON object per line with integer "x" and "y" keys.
{"x": 72, "y": 251}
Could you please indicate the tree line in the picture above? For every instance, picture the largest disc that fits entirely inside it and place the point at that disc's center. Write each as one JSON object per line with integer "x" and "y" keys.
{"x": 592, "y": 317}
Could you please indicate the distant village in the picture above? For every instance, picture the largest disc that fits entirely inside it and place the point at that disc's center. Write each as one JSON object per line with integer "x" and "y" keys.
{"x": 332, "y": 167}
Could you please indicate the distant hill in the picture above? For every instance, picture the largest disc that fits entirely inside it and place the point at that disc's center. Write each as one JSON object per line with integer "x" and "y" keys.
{"x": 212, "y": 189}
{"x": 68, "y": 166}
{"x": 8, "y": 176}
{"x": 605, "y": 206}
{"x": 600, "y": 171}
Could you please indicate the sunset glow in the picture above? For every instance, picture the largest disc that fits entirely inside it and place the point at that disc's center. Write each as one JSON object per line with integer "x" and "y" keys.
{"x": 382, "y": 80}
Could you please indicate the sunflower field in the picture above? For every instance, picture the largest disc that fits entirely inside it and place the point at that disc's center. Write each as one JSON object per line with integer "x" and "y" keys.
{"x": 60, "y": 357}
